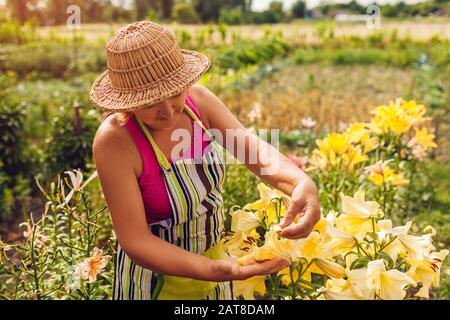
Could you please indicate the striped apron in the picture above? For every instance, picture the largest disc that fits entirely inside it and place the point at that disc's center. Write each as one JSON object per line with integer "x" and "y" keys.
{"x": 195, "y": 190}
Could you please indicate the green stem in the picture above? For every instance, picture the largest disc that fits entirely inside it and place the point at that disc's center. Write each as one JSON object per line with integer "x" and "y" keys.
{"x": 374, "y": 240}
{"x": 33, "y": 259}
{"x": 384, "y": 195}
{"x": 88, "y": 229}
{"x": 365, "y": 252}
{"x": 387, "y": 244}
{"x": 294, "y": 286}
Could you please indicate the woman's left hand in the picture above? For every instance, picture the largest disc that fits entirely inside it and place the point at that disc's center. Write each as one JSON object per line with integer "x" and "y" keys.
{"x": 305, "y": 203}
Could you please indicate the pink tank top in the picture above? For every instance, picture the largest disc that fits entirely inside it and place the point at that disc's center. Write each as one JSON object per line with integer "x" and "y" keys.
{"x": 154, "y": 194}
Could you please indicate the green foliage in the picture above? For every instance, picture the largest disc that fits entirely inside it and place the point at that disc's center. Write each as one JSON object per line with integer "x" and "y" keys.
{"x": 70, "y": 141}
{"x": 16, "y": 164}
{"x": 239, "y": 187}
{"x": 48, "y": 261}
{"x": 251, "y": 52}
{"x": 298, "y": 9}
{"x": 232, "y": 16}
{"x": 185, "y": 13}
{"x": 303, "y": 139}
{"x": 12, "y": 32}
{"x": 395, "y": 57}
{"x": 49, "y": 60}
{"x": 437, "y": 215}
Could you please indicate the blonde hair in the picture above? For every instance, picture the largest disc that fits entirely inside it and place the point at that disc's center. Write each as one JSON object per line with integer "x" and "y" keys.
{"x": 122, "y": 117}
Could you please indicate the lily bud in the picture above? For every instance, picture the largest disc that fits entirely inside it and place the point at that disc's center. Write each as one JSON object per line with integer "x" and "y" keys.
{"x": 331, "y": 269}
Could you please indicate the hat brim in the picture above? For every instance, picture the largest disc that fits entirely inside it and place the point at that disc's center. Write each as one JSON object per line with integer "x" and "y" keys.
{"x": 108, "y": 98}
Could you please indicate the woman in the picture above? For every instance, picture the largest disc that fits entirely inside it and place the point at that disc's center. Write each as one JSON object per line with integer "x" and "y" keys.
{"x": 167, "y": 210}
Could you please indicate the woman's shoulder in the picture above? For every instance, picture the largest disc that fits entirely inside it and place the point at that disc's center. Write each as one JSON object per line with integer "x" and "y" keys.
{"x": 111, "y": 138}
{"x": 109, "y": 130}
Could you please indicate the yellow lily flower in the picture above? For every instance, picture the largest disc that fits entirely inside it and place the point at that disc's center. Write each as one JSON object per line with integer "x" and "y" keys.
{"x": 397, "y": 180}
{"x": 278, "y": 247}
{"x": 395, "y": 248}
{"x": 358, "y": 213}
{"x": 388, "y": 285}
{"x": 358, "y": 207}
{"x": 380, "y": 173}
{"x": 265, "y": 206}
{"x": 375, "y": 282}
{"x": 337, "y": 242}
{"x": 321, "y": 225}
{"x": 359, "y": 133}
{"x": 352, "y": 157}
{"x": 267, "y": 194}
{"x": 414, "y": 112}
{"x": 423, "y": 139}
{"x": 330, "y": 268}
{"x": 340, "y": 289}
{"x": 334, "y": 144}
{"x": 249, "y": 286}
{"x": 389, "y": 119}
{"x": 243, "y": 221}
{"x": 286, "y": 275}
{"x": 416, "y": 246}
{"x": 398, "y": 117}
{"x": 427, "y": 271}
{"x": 240, "y": 244}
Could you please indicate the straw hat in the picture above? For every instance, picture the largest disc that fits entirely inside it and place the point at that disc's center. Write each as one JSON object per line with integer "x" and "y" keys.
{"x": 145, "y": 66}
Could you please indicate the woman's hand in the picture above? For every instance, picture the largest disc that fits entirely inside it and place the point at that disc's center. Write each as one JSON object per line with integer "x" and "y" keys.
{"x": 305, "y": 203}
{"x": 229, "y": 269}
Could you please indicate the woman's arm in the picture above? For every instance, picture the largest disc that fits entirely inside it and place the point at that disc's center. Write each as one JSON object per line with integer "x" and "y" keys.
{"x": 267, "y": 163}
{"x": 112, "y": 155}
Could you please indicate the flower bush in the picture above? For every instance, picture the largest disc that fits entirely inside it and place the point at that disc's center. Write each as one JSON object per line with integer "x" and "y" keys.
{"x": 355, "y": 251}
{"x": 380, "y": 156}
{"x": 353, "y": 254}
{"x": 58, "y": 257}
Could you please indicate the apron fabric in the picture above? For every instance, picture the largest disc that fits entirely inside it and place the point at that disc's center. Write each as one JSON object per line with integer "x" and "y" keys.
{"x": 195, "y": 188}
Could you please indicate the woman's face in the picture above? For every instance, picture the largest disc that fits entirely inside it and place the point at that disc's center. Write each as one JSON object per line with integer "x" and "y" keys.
{"x": 164, "y": 114}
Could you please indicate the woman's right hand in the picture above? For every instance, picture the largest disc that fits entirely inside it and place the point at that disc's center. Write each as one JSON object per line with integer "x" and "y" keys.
{"x": 229, "y": 269}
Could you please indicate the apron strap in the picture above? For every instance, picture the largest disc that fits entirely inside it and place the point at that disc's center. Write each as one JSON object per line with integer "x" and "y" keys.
{"x": 162, "y": 160}
{"x": 160, "y": 156}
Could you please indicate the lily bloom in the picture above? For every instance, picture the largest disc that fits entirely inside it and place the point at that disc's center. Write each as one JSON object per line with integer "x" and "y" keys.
{"x": 427, "y": 271}
{"x": 375, "y": 282}
{"x": 249, "y": 286}
{"x": 358, "y": 214}
{"x": 89, "y": 268}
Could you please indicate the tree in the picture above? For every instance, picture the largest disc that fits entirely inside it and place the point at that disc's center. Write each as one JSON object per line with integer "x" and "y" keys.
{"x": 159, "y": 7}
{"x": 276, "y": 12}
{"x": 208, "y": 10}
{"x": 18, "y": 9}
{"x": 298, "y": 9}
{"x": 184, "y": 13}
{"x": 167, "y": 6}
{"x": 143, "y": 6}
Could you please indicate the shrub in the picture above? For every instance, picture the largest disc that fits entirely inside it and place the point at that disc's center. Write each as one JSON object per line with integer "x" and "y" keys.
{"x": 12, "y": 32}
{"x": 70, "y": 141}
{"x": 17, "y": 160}
{"x": 232, "y": 16}
{"x": 185, "y": 13}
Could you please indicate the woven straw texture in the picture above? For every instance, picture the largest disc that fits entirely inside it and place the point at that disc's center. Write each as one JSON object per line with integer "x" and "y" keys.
{"x": 145, "y": 66}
